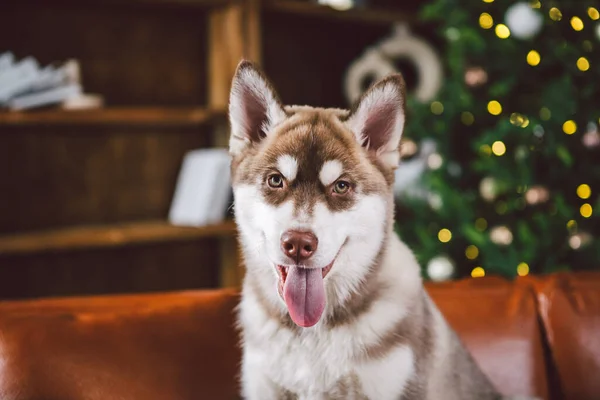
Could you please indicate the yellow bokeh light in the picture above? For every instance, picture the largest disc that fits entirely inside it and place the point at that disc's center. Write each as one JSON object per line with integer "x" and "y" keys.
{"x": 472, "y": 252}
{"x": 437, "y": 108}
{"x": 481, "y": 224}
{"x": 519, "y": 120}
{"x": 488, "y": 1}
{"x": 584, "y": 191}
{"x": 467, "y": 118}
{"x": 478, "y": 272}
{"x": 545, "y": 113}
{"x": 583, "y": 64}
{"x": 572, "y": 225}
{"x": 444, "y": 235}
{"x": 502, "y": 31}
{"x": 523, "y": 269}
{"x": 486, "y": 21}
{"x": 555, "y": 14}
{"x": 586, "y": 210}
{"x": 533, "y": 58}
{"x": 577, "y": 23}
{"x": 569, "y": 127}
{"x": 494, "y": 107}
{"x": 593, "y": 13}
{"x": 536, "y": 4}
{"x": 498, "y": 148}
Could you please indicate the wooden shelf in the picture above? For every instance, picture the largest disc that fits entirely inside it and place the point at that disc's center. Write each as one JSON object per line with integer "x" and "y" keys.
{"x": 174, "y": 3}
{"x": 193, "y": 4}
{"x": 116, "y": 235}
{"x": 113, "y": 116}
{"x": 366, "y": 16}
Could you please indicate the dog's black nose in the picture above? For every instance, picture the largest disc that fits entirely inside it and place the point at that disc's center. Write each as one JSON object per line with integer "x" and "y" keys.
{"x": 298, "y": 245}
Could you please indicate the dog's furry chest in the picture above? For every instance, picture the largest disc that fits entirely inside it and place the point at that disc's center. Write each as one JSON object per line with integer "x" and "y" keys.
{"x": 323, "y": 364}
{"x": 321, "y": 359}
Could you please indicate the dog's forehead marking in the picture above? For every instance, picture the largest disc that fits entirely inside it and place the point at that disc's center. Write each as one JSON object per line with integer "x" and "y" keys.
{"x": 288, "y": 166}
{"x": 299, "y": 149}
{"x": 330, "y": 171}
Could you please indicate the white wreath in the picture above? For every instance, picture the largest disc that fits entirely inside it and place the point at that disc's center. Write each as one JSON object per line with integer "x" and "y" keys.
{"x": 375, "y": 62}
{"x": 370, "y": 64}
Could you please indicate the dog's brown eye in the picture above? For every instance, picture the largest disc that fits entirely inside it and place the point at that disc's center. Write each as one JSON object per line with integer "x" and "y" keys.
{"x": 275, "y": 181}
{"x": 341, "y": 187}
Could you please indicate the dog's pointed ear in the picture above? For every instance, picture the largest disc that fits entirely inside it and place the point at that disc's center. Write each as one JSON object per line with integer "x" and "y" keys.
{"x": 254, "y": 107}
{"x": 377, "y": 119}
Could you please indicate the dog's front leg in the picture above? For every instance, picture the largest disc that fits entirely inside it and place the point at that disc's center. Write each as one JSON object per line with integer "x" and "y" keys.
{"x": 256, "y": 385}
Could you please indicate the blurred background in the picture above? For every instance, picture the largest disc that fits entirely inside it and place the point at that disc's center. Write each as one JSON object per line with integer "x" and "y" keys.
{"x": 113, "y": 132}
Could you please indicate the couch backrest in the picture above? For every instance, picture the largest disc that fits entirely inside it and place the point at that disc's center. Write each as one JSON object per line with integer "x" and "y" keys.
{"x": 151, "y": 347}
{"x": 497, "y": 322}
{"x": 184, "y": 346}
{"x": 569, "y": 307}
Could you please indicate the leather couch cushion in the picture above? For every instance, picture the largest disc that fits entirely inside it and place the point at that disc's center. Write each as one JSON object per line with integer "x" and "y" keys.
{"x": 496, "y": 319}
{"x": 183, "y": 345}
{"x": 569, "y": 306}
{"x": 151, "y": 347}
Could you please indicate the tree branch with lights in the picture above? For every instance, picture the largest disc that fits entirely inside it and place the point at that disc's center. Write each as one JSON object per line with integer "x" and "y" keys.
{"x": 516, "y": 169}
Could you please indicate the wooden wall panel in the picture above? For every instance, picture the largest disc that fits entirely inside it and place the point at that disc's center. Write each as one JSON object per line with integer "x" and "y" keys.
{"x": 61, "y": 176}
{"x": 133, "y": 269}
{"x": 307, "y": 56}
{"x": 130, "y": 55}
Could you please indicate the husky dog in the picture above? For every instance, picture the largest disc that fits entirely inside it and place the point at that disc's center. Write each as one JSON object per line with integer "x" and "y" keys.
{"x": 333, "y": 305}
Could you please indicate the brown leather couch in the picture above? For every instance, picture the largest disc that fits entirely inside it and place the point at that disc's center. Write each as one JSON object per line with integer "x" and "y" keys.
{"x": 536, "y": 336}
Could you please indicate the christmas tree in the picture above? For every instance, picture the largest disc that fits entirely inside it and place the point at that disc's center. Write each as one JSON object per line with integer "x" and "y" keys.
{"x": 513, "y": 185}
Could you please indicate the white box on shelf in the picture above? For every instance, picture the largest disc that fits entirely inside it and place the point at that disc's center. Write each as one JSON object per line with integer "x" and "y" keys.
{"x": 203, "y": 188}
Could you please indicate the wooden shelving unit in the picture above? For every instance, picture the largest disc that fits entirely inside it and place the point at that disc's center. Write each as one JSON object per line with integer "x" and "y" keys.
{"x": 171, "y": 3}
{"x": 90, "y": 189}
{"x": 185, "y": 4}
{"x": 75, "y": 177}
{"x": 115, "y": 116}
{"x": 115, "y": 235}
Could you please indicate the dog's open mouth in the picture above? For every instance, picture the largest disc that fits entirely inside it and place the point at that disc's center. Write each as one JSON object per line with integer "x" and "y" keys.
{"x": 303, "y": 291}
{"x": 283, "y": 271}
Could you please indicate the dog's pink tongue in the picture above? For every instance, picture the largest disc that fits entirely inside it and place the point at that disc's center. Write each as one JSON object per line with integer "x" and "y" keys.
{"x": 304, "y": 294}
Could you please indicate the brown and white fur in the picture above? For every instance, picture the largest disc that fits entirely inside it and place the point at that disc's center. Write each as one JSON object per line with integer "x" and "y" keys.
{"x": 379, "y": 336}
